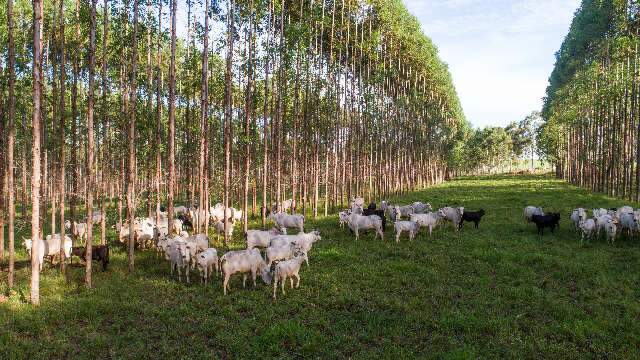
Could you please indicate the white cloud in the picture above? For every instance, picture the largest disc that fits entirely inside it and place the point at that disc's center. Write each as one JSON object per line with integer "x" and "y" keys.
{"x": 500, "y": 52}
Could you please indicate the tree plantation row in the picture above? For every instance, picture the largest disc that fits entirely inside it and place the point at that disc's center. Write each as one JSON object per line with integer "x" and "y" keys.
{"x": 138, "y": 105}
{"x": 592, "y": 109}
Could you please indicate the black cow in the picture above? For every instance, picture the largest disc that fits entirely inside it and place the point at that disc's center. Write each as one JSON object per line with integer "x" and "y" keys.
{"x": 472, "y": 216}
{"x": 186, "y": 222}
{"x": 98, "y": 253}
{"x": 550, "y": 220}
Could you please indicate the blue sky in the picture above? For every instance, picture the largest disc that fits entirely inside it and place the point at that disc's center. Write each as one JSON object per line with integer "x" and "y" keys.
{"x": 500, "y": 52}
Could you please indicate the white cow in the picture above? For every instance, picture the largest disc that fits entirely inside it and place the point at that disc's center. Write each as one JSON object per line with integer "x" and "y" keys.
{"x": 49, "y": 247}
{"x": 244, "y": 262}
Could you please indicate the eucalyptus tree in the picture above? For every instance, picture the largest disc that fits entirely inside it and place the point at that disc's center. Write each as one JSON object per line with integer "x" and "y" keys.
{"x": 11, "y": 138}
{"x": 36, "y": 122}
{"x": 591, "y": 111}
{"x": 312, "y": 100}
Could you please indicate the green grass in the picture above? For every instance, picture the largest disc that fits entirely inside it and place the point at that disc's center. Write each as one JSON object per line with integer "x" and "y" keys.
{"x": 497, "y": 292}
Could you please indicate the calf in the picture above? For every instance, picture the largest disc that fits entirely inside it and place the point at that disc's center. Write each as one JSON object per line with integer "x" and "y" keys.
{"x": 472, "y": 216}
{"x": 289, "y": 268}
{"x": 551, "y": 220}
{"x": 411, "y": 227}
{"x": 207, "y": 261}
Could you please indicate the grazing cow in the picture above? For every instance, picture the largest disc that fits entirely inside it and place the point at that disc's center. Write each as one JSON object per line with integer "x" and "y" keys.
{"x": 303, "y": 240}
{"x": 99, "y": 253}
{"x": 472, "y": 216}
{"x": 551, "y": 220}
{"x": 244, "y": 261}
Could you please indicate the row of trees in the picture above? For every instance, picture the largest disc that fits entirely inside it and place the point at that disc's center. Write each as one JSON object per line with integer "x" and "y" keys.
{"x": 592, "y": 109}
{"x": 261, "y": 100}
{"x": 494, "y": 148}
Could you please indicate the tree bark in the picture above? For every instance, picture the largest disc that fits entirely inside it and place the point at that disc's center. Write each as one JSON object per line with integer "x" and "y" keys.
{"x": 35, "y": 175}
{"x": 11, "y": 138}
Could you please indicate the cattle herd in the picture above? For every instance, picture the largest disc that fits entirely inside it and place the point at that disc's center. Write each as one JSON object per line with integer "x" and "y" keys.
{"x": 283, "y": 254}
{"x": 415, "y": 215}
{"x": 275, "y": 255}
{"x": 604, "y": 222}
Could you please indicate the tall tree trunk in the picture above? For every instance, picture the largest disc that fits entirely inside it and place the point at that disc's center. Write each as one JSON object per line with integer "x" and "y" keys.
{"x": 159, "y": 80}
{"x": 248, "y": 113}
{"x": 74, "y": 122}
{"x": 103, "y": 200}
{"x": 90, "y": 144}
{"x": 204, "y": 108}
{"x": 62, "y": 110}
{"x": 172, "y": 114}
{"x": 131, "y": 186}
{"x": 11, "y": 138}
{"x": 35, "y": 175}
{"x": 228, "y": 112}
{"x": 265, "y": 120}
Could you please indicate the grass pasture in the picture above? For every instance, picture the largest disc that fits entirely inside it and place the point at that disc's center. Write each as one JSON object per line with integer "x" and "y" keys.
{"x": 497, "y": 292}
